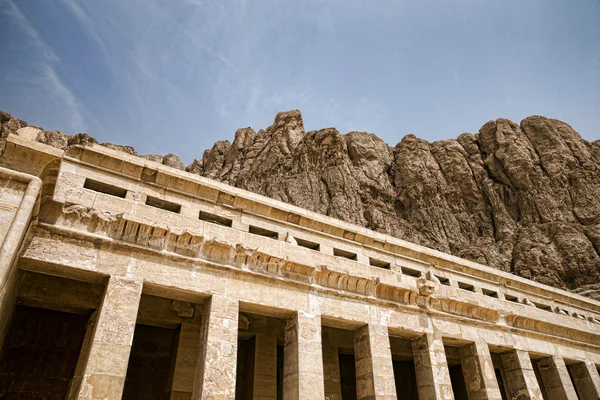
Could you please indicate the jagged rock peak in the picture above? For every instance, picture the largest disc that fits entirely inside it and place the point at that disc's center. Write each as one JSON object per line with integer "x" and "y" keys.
{"x": 289, "y": 120}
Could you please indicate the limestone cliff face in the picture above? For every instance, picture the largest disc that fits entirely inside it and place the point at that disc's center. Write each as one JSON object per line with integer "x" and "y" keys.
{"x": 522, "y": 198}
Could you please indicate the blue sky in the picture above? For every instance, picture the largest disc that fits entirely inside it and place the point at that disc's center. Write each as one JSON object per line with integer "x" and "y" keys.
{"x": 177, "y": 75}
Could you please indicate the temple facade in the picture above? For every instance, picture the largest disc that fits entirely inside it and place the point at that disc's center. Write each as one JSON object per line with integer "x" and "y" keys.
{"x": 124, "y": 278}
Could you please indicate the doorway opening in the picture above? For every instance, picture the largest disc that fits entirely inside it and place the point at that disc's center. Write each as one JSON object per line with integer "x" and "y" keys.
{"x": 404, "y": 368}
{"x": 165, "y": 349}
{"x": 457, "y": 376}
{"x": 43, "y": 345}
{"x": 260, "y": 358}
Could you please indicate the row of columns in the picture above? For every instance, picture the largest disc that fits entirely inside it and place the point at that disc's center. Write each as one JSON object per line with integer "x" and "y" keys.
{"x": 311, "y": 370}
{"x": 583, "y": 382}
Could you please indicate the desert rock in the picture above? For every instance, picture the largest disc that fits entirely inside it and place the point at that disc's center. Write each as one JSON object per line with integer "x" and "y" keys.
{"x": 524, "y": 198}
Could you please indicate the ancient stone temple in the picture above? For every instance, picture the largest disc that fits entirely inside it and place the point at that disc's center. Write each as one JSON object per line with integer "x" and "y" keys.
{"x": 124, "y": 278}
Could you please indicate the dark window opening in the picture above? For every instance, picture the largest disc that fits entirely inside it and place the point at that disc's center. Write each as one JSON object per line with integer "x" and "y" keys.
{"x": 345, "y": 254}
{"x": 406, "y": 380}
{"x": 280, "y": 372}
{"x": 500, "y": 383}
{"x": 544, "y": 307}
{"x": 379, "y": 264}
{"x": 215, "y": 219}
{"x": 308, "y": 245}
{"x": 151, "y": 363}
{"x": 244, "y": 382}
{"x": 105, "y": 188}
{"x": 490, "y": 293}
{"x": 457, "y": 379}
{"x": 255, "y": 230}
{"x": 411, "y": 272}
{"x": 260, "y": 357}
{"x": 163, "y": 204}
{"x": 466, "y": 286}
{"x": 40, "y": 353}
{"x": 348, "y": 376}
{"x": 512, "y": 298}
{"x": 443, "y": 281}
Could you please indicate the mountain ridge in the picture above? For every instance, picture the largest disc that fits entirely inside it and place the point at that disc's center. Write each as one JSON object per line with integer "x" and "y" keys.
{"x": 524, "y": 198}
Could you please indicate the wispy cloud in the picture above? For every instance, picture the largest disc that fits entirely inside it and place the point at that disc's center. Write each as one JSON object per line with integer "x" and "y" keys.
{"x": 58, "y": 88}
{"x": 89, "y": 25}
{"x": 45, "y": 51}
{"x": 199, "y": 69}
{"x": 48, "y": 61}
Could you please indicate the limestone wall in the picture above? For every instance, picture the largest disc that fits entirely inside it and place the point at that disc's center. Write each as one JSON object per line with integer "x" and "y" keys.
{"x": 216, "y": 256}
{"x": 18, "y": 196}
{"x": 11, "y": 195}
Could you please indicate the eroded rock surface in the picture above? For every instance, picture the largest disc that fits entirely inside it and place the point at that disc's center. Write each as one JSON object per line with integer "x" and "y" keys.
{"x": 522, "y": 198}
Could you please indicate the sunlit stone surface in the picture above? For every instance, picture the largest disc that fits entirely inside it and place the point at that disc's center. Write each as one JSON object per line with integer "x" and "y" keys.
{"x": 124, "y": 278}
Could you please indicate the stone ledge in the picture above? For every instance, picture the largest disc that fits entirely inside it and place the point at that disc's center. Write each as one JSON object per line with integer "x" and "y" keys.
{"x": 308, "y": 275}
{"x": 220, "y": 193}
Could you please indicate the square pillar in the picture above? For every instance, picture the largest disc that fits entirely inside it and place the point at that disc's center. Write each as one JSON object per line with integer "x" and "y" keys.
{"x": 217, "y": 361}
{"x": 303, "y": 358}
{"x": 106, "y": 367}
{"x": 188, "y": 350}
{"x": 84, "y": 354}
{"x": 586, "y": 379}
{"x": 520, "y": 376}
{"x": 331, "y": 370}
{"x": 556, "y": 379}
{"x": 478, "y": 370}
{"x": 431, "y": 368}
{"x": 265, "y": 367}
{"x": 374, "y": 368}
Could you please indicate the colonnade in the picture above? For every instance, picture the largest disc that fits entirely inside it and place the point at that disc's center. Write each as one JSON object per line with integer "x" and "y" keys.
{"x": 311, "y": 369}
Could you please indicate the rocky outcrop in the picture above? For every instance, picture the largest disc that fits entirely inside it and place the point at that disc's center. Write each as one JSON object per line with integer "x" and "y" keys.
{"x": 522, "y": 198}
{"x": 9, "y": 124}
{"x": 173, "y": 161}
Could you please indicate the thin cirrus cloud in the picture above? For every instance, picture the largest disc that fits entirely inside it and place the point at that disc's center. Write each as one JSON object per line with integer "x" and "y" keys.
{"x": 175, "y": 77}
{"x": 44, "y": 71}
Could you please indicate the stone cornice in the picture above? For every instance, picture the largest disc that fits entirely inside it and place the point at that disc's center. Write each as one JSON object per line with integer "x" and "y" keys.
{"x": 158, "y": 234}
{"x": 549, "y": 328}
{"x": 94, "y": 224}
{"x": 227, "y": 196}
{"x": 465, "y": 309}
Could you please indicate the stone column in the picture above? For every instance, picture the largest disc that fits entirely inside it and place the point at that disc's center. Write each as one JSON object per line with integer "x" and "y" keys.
{"x": 84, "y": 354}
{"x": 216, "y": 368}
{"x": 520, "y": 376}
{"x": 15, "y": 216}
{"x": 331, "y": 370}
{"x": 303, "y": 358}
{"x": 265, "y": 367}
{"x": 374, "y": 368}
{"x": 188, "y": 350}
{"x": 431, "y": 368}
{"x": 587, "y": 380}
{"x": 556, "y": 379}
{"x": 106, "y": 366}
{"x": 478, "y": 370}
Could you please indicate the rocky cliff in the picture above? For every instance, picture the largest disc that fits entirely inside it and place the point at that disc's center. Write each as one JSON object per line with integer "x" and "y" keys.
{"x": 522, "y": 198}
